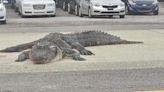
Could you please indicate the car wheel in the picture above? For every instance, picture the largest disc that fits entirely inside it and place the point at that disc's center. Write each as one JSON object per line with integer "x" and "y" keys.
{"x": 3, "y": 22}
{"x": 122, "y": 16}
{"x": 90, "y": 13}
{"x": 69, "y": 8}
{"x": 80, "y": 12}
{"x": 23, "y": 16}
{"x": 155, "y": 12}
{"x": 16, "y": 9}
{"x": 76, "y": 10}
{"x": 19, "y": 12}
{"x": 53, "y": 15}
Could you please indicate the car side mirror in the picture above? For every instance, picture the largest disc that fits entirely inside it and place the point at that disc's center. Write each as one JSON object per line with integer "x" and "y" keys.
{"x": 5, "y": 1}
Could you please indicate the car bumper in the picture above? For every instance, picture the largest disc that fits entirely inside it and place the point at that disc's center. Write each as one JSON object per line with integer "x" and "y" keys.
{"x": 143, "y": 9}
{"x": 30, "y": 11}
{"x": 2, "y": 15}
{"x": 105, "y": 11}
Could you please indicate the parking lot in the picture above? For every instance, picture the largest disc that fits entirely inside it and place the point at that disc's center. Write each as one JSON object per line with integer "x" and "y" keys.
{"x": 63, "y": 21}
{"x": 113, "y": 68}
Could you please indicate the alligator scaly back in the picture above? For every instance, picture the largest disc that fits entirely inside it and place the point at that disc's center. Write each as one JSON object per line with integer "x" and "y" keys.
{"x": 95, "y": 38}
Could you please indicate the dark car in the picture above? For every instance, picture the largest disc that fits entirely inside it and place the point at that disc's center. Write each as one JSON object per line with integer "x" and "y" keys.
{"x": 63, "y": 4}
{"x": 141, "y": 6}
{"x": 73, "y": 6}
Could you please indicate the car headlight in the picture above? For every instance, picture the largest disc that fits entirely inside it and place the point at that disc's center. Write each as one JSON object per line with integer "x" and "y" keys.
{"x": 26, "y": 5}
{"x": 132, "y": 2}
{"x": 51, "y": 4}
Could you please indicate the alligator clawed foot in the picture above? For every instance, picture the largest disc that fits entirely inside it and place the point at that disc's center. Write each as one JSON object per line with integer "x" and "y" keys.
{"x": 77, "y": 57}
{"x": 86, "y": 52}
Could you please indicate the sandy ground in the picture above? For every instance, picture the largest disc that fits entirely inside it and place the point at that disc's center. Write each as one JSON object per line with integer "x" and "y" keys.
{"x": 147, "y": 55}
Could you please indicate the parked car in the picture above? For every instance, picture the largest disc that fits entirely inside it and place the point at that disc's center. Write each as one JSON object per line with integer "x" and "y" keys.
{"x": 102, "y": 7}
{"x": 63, "y": 4}
{"x": 73, "y": 6}
{"x": 37, "y": 7}
{"x": 16, "y": 5}
{"x": 141, "y": 6}
{"x": 3, "y": 11}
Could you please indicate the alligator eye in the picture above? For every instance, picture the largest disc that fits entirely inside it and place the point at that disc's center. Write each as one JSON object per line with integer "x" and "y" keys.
{"x": 53, "y": 48}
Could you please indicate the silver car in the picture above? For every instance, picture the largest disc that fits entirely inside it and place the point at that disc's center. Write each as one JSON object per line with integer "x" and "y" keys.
{"x": 102, "y": 7}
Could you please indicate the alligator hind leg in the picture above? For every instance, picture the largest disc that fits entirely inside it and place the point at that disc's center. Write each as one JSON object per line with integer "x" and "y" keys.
{"x": 23, "y": 56}
{"x": 71, "y": 53}
{"x": 81, "y": 49}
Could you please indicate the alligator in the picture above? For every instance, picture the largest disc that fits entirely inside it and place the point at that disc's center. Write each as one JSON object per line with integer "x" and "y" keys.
{"x": 55, "y": 46}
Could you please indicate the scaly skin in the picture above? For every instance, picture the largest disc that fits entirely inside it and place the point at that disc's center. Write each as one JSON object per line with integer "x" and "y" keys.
{"x": 60, "y": 45}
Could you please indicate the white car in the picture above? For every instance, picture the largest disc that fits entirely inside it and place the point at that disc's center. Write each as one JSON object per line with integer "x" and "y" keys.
{"x": 3, "y": 11}
{"x": 102, "y": 8}
{"x": 37, "y": 7}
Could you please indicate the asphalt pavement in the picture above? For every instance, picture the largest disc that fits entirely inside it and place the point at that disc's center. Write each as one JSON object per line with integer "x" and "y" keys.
{"x": 132, "y": 80}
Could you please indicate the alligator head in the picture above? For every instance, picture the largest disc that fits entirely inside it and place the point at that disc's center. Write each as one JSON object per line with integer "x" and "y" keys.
{"x": 44, "y": 52}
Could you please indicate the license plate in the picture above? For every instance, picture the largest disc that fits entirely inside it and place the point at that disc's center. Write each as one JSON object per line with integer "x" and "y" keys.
{"x": 110, "y": 8}
{"x": 144, "y": 5}
{"x": 39, "y": 7}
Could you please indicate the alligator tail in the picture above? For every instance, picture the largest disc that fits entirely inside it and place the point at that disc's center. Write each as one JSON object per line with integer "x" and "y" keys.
{"x": 18, "y": 48}
{"x": 131, "y": 42}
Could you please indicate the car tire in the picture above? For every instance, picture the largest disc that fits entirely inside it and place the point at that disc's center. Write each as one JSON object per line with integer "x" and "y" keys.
{"x": 16, "y": 9}
{"x": 80, "y": 13}
{"x": 3, "y": 22}
{"x": 90, "y": 13}
{"x": 19, "y": 13}
{"x": 22, "y": 16}
{"x": 122, "y": 16}
{"x": 156, "y": 12}
{"x": 53, "y": 15}
{"x": 76, "y": 10}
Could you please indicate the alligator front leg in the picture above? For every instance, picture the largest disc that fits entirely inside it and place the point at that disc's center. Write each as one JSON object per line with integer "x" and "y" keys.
{"x": 73, "y": 54}
{"x": 23, "y": 56}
